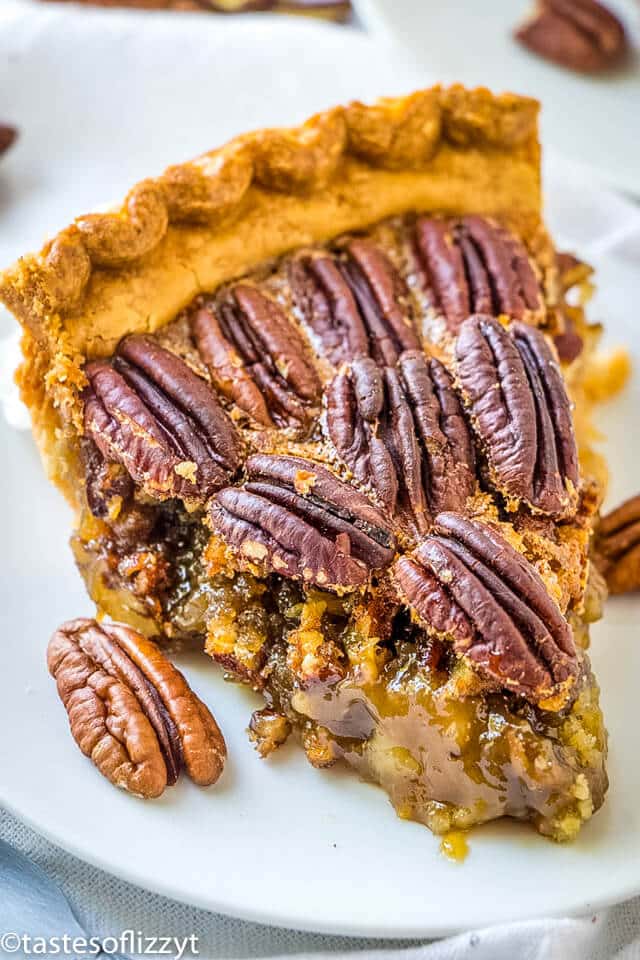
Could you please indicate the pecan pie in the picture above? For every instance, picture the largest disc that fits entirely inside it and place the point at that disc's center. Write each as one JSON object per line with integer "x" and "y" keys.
{"x": 319, "y": 399}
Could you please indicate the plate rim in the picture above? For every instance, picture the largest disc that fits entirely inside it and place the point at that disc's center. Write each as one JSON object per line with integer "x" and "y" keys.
{"x": 577, "y": 908}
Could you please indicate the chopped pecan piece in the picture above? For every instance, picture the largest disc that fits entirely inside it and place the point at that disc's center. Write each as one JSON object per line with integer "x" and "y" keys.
{"x": 257, "y": 357}
{"x": 355, "y": 303}
{"x": 572, "y": 272}
{"x": 268, "y": 730}
{"x": 582, "y": 35}
{"x": 468, "y": 585}
{"x": 130, "y": 710}
{"x": 521, "y": 414}
{"x": 617, "y": 547}
{"x": 475, "y": 266}
{"x": 148, "y": 411}
{"x": 293, "y": 517}
{"x": 568, "y": 342}
{"x": 574, "y": 277}
{"x": 402, "y": 430}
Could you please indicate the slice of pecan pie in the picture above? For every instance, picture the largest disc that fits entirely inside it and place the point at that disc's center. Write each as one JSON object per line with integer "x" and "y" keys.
{"x": 311, "y": 397}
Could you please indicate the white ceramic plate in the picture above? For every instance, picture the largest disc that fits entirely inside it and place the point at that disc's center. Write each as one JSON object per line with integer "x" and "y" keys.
{"x": 275, "y": 841}
{"x": 593, "y": 120}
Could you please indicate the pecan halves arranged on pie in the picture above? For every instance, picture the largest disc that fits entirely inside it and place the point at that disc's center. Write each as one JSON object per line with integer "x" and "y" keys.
{"x": 475, "y": 266}
{"x": 583, "y": 35}
{"x": 148, "y": 411}
{"x": 355, "y": 303}
{"x": 257, "y": 357}
{"x": 130, "y": 710}
{"x": 292, "y": 516}
{"x": 617, "y": 547}
{"x": 468, "y": 585}
{"x": 402, "y": 431}
{"x": 521, "y": 414}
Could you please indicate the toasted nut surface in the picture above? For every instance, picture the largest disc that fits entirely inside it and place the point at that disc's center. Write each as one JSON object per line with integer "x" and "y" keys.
{"x": 148, "y": 411}
{"x": 520, "y": 412}
{"x": 355, "y": 303}
{"x": 472, "y": 265}
{"x": 402, "y": 431}
{"x": 130, "y": 710}
{"x": 295, "y": 518}
{"x": 468, "y": 585}
{"x": 257, "y": 357}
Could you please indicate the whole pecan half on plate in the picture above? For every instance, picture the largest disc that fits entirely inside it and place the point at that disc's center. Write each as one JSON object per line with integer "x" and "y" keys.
{"x": 521, "y": 414}
{"x": 468, "y": 585}
{"x": 130, "y": 710}
{"x": 402, "y": 431}
{"x": 257, "y": 357}
{"x": 472, "y": 265}
{"x": 617, "y": 547}
{"x": 355, "y": 303}
{"x": 583, "y": 35}
{"x": 294, "y": 517}
{"x": 148, "y": 410}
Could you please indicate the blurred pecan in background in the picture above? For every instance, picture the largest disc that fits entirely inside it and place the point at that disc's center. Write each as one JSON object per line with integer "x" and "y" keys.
{"x": 617, "y": 547}
{"x": 339, "y": 10}
{"x": 583, "y": 35}
{"x": 8, "y": 135}
{"x": 130, "y": 710}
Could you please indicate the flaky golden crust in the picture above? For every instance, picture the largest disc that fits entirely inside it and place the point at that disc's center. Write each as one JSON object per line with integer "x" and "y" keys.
{"x": 201, "y": 223}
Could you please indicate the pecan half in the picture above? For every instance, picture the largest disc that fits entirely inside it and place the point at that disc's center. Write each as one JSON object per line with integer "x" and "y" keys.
{"x": 130, "y": 710}
{"x": 617, "y": 547}
{"x": 582, "y": 35}
{"x": 402, "y": 430}
{"x": 468, "y": 585}
{"x": 521, "y": 413}
{"x": 293, "y": 517}
{"x": 475, "y": 266}
{"x": 147, "y": 410}
{"x": 355, "y": 303}
{"x": 257, "y": 357}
